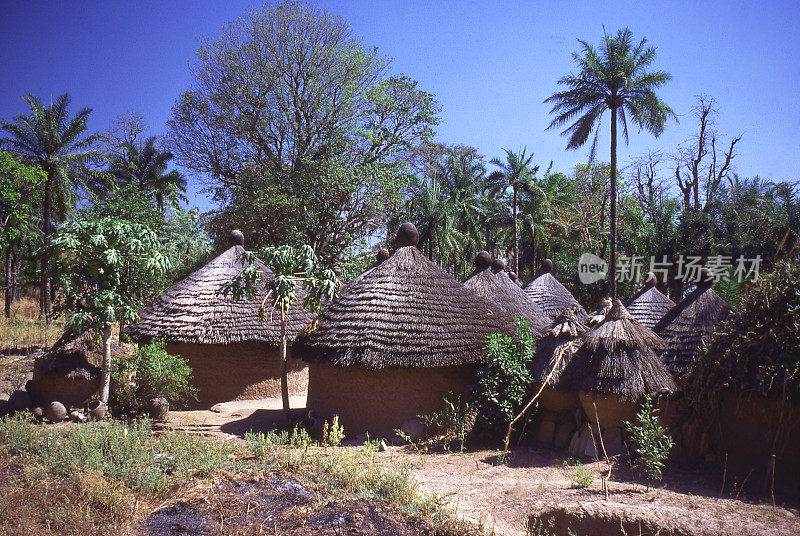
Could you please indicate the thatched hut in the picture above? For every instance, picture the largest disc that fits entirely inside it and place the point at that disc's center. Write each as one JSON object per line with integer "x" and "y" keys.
{"x": 550, "y": 295}
{"x": 494, "y": 284}
{"x": 615, "y": 368}
{"x": 69, "y": 372}
{"x": 744, "y": 386}
{"x": 649, "y": 305}
{"x": 395, "y": 341}
{"x": 554, "y": 350}
{"x": 233, "y": 352}
{"x": 687, "y": 324}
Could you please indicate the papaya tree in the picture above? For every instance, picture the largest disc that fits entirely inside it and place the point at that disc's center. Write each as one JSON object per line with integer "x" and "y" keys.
{"x": 90, "y": 259}
{"x": 291, "y": 268}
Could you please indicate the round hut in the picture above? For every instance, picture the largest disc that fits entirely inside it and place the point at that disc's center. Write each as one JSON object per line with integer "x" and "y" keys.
{"x": 233, "y": 352}
{"x": 614, "y": 369}
{"x": 550, "y": 295}
{"x": 556, "y": 422}
{"x": 395, "y": 341}
{"x": 687, "y": 324}
{"x": 494, "y": 284}
{"x": 649, "y": 305}
{"x": 69, "y": 372}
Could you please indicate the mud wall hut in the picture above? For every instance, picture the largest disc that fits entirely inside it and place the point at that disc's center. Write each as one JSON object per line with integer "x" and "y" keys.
{"x": 395, "y": 341}
{"x": 233, "y": 352}
{"x": 615, "y": 368}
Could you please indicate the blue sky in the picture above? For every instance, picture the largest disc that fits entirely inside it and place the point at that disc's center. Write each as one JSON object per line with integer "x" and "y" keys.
{"x": 490, "y": 64}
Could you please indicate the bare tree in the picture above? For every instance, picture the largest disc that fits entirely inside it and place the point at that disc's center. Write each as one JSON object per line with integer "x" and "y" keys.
{"x": 697, "y": 166}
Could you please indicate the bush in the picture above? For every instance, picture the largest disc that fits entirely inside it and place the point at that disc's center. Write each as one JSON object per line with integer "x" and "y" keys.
{"x": 503, "y": 382}
{"x": 153, "y": 372}
{"x": 650, "y": 440}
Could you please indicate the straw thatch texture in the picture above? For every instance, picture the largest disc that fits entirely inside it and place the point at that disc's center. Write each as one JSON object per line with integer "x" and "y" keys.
{"x": 649, "y": 305}
{"x": 618, "y": 357}
{"x": 685, "y": 327}
{"x": 498, "y": 288}
{"x": 194, "y": 311}
{"x": 551, "y": 296}
{"x": 557, "y": 344}
{"x": 405, "y": 312}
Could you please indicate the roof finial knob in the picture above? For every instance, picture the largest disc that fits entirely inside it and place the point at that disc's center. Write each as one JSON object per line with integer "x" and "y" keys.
{"x": 512, "y": 276}
{"x": 407, "y": 235}
{"x": 482, "y": 261}
{"x": 650, "y": 280}
{"x": 498, "y": 266}
{"x": 236, "y": 238}
{"x": 382, "y": 255}
{"x": 547, "y": 266}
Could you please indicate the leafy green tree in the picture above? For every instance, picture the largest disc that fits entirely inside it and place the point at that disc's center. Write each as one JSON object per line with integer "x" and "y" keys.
{"x": 290, "y": 106}
{"x": 613, "y": 79}
{"x": 145, "y": 165}
{"x": 49, "y": 138}
{"x": 93, "y": 258}
{"x": 514, "y": 173}
{"x": 16, "y": 182}
{"x": 291, "y": 268}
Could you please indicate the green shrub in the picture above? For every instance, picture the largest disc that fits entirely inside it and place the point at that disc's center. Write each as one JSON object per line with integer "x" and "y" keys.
{"x": 153, "y": 372}
{"x": 650, "y": 440}
{"x": 504, "y": 380}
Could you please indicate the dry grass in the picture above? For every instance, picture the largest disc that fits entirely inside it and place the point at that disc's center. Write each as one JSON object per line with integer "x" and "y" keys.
{"x": 110, "y": 477}
{"x": 24, "y": 329}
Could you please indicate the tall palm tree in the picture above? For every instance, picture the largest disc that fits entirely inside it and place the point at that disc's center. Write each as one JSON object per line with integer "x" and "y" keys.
{"x": 514, "y": 173}
{"x": 614, "y": 79}
{"x": 145, "y": 165}
{"x": 49, "y": 138}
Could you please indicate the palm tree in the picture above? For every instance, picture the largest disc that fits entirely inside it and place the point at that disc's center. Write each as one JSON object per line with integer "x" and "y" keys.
{"x": 615, "y": 79}
{"x": 514, "y": 173}
{"x": 50, "y": 139}
{"x": 146, "y": 166}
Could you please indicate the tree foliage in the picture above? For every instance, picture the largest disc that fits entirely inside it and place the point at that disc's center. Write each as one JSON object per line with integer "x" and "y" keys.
{"x": 290, "y": 107}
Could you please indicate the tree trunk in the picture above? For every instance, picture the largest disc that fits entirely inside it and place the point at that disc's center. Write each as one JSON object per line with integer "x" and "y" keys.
{"x": 44, "y": 298}
{"x": 613, "y": 245}
{"x": 105, "y": 382}
{"x": 533, "y": 261}
{"x": 284, "y": 371}
{"x": 9, "y": 282}
{"x": 516, "y": 238}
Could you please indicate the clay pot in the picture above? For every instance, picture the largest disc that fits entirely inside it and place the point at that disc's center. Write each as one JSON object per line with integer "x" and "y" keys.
{"x": 56, "y": 412}
{"x": 3, "y": 408}
{"x": 19, "y": 401}
{"x": 77, "y": 416}
{"x": 97, "y": 410}
{"x": 38, "y": 412}
{"x": 158, "y": 408}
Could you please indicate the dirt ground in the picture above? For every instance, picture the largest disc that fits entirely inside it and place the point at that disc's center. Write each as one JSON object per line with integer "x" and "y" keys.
{"x": 503, "y": 497}
{"x": 537, "y": 485}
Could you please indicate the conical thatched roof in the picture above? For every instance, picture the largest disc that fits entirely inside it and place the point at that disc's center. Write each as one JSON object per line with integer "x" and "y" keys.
{"x": 194, "y": 311}
{"x": 404, "y": 312}
{"x": 550, "y": 295}
{"x": 649, "y": 305}
{"x": 596, "y": 317}
{"x": 559, "y": 344}
{"x": 498, "y": 288}
{"x": 685, "y": 326}
{"x": 618, "y": 357}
